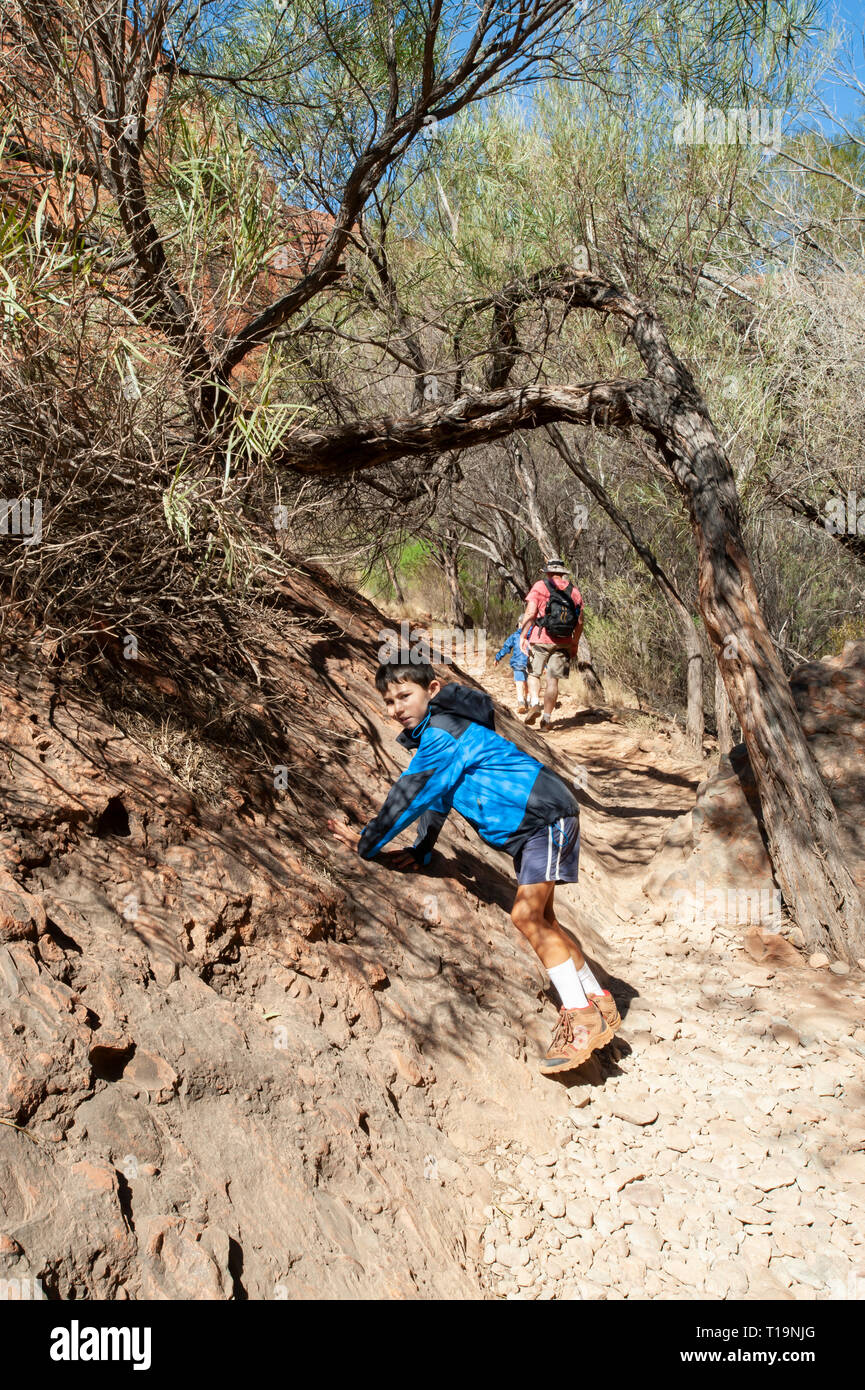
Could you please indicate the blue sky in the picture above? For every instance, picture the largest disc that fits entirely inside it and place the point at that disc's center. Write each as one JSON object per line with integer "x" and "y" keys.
{"x": 852, "y": 15}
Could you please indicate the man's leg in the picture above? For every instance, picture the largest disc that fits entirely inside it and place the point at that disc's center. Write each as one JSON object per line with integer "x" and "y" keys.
{"x": 551, "y": 694}
{"x": 534, "y": 684}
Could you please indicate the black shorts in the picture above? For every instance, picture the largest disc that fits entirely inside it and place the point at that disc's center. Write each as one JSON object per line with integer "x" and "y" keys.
{"x": 552, "y": 854}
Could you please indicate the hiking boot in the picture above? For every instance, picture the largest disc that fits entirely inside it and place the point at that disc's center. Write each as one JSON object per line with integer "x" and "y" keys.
{"x": 607, "y": 1006}
{"x": 578, "y": 1033}
{"x": 545, "y": 723}
{"x": 534, "y": 711}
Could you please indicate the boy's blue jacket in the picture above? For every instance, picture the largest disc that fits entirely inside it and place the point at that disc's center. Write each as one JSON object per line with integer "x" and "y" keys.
{"x": 519, "y": 661}
{"x": 462, "y": 764}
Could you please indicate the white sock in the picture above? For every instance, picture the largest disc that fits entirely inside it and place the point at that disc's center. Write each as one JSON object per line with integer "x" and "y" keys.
{"x": 588, "y": 981}
{"x": 567, "y": 985}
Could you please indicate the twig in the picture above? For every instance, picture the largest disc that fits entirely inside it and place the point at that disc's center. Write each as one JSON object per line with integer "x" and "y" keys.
{"x": 22, "y": 1130}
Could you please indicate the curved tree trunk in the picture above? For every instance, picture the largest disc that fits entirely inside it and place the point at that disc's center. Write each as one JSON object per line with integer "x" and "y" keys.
{"x": 799, "y": 817}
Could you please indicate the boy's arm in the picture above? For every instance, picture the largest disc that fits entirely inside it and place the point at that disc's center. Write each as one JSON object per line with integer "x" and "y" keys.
{"x": 427, "y": 784}
{"x": 428, "y": 830}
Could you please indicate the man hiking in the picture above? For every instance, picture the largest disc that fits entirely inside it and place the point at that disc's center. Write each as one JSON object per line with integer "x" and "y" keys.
{"x": 551, "y": 627}
{"x": 515, "y": 804}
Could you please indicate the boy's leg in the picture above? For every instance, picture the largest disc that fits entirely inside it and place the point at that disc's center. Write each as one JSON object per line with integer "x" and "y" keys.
{"x": 582, "y": 1027}
{"x": 545, "y": 936}
{"x": 521, "y": 691}
{"x": 595, "y": 992}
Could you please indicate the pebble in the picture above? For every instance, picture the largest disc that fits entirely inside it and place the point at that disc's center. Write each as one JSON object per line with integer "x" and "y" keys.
{"x": 818, "y": 961}
{"x": 839, "y": 967}
{"x": 636, "y": 1112}
{"x": 752, "y": 1216}
{"x": 768, "y": 1176}
{"x": 580, "y": 1214}
{"x": 784, "y": 1034}
{"x": 645, "y": 1194}
{"x": 727, "y": 1280}
{"x": 512, "y": 1256}
{"x": 679, "y": 1140}
{"x": 554, "y": 1206}
{"x": 644, "y": 1242}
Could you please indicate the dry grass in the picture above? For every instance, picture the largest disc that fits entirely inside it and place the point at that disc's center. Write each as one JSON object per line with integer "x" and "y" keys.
{"x": 190, "y": 762}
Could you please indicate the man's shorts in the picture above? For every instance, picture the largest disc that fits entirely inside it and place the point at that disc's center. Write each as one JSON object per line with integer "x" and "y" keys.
{"x": 556, "y": 660}
{"x": 552, "y": 854}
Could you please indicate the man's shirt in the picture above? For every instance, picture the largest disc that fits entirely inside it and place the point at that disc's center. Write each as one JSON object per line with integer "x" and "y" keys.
{"x": 539, "y": 595}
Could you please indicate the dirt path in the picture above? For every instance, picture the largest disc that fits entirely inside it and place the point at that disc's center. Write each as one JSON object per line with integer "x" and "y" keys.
{"x": 717, "y": 1148}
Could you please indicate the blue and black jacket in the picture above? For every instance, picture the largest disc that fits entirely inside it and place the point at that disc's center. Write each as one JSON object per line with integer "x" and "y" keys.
{"x": 462, "y": 764}
{"x": 519, "y": 661}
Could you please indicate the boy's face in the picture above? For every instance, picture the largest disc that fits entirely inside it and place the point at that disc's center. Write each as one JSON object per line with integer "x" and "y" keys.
{"x": 407, "y": 702}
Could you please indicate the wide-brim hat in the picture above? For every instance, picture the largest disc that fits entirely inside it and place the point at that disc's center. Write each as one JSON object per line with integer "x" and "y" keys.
{"x": 555, "y": 565}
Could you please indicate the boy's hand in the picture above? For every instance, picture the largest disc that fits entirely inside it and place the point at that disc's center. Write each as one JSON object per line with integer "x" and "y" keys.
{"x": 344, "y": 832}
{"x": 399, "y": 859}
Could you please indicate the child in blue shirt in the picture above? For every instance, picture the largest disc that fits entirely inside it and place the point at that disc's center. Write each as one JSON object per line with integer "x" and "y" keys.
{"x": 518, "y": 664}
{"x": 515, "y": 804}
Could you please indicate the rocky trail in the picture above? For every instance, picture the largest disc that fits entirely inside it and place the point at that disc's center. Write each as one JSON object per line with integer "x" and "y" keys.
{"x": 717, "y": 1148}
{"x": 238, "y": 1062}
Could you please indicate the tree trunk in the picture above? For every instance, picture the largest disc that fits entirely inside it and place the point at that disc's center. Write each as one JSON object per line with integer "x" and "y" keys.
{"x": 695, "y": 726}
{"x": 485, "y": 616}
{"x": 586, "y": 668}
{"x": 450, "y": 565}
{"x": 799, "y": 817}
{"x": 394, "y": 579}
{"x": 722, "y": 715}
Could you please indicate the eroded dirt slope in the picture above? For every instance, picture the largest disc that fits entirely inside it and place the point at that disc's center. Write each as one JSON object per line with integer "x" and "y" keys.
{"x": 236, "y": 1061}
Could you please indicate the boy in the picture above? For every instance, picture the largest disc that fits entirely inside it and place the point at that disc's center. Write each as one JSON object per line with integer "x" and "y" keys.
{"x": 515, "y": 804}
{"x": 518, "y": 663}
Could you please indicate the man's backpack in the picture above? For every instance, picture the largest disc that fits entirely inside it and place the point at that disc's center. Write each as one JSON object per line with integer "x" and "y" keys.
{"x": 562, "y": 613}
